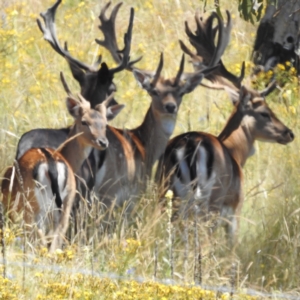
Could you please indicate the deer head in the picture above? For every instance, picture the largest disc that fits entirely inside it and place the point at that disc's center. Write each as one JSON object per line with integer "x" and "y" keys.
{"x": 256, "y": 118}
{"x": 91, "y": 122}
{"x": 96, "y": 82}
{"x": 166, "y": 94}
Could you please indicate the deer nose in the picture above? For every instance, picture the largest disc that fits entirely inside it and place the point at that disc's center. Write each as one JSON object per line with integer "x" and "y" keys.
{"x": 170, "y": 108}
{"x": 103, "y": 143}
{"x": 290, "y": 134}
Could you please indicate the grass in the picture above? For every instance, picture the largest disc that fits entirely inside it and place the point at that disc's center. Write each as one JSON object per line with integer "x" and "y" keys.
{"x": 267, "y": 255}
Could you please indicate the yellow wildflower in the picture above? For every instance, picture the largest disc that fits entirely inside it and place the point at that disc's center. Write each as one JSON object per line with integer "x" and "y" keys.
{"x": 269, "y": 74}
{"x": 293, "y": 70}
{"x": 292, "y": 109}
{"x": 14, "y": 13}
{"x": 169, "y": 194}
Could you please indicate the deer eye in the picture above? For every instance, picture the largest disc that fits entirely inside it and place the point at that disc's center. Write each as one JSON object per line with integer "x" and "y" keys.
{"x": 154, "y": 92}
{"x": 265, "y": 115}
{"x": 84, "y": 123}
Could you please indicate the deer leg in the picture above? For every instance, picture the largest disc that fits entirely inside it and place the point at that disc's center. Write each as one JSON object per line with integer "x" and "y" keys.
{"x": 41, "y": 228}
{"x": 62, "y": 227}
{"x": 205, "y": 183}
{"x": 230, "y": 224}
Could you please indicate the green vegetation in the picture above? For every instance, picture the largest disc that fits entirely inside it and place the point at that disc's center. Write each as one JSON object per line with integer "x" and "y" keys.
{"x": 267, "y": 256}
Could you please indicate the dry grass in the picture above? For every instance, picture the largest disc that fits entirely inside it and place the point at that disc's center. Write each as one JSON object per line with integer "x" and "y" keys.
{"x": 267, "y": 256}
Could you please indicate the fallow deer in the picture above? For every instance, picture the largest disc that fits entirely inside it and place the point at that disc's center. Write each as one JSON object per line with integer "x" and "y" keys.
{"x": 205, "y": 171}
{"x": 96, "y": 83}
{"x": 42, "y": 174}
{"x": 121, "y": 173}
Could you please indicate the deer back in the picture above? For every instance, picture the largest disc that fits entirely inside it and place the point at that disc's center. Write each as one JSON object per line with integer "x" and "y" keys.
{"x": 125, "y": 169}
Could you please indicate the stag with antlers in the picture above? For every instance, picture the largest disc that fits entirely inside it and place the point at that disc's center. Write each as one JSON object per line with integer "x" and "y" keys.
{"x": 96, "y": 82}
{"x": 205, "y": 171}
{"x": 125, "y": 168}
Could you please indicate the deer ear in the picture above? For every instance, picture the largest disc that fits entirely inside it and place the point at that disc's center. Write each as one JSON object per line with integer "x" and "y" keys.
{"x": 143, "y": 79}
{"x": 74, "y": 107}
{"x": 191, "y": 83}
{"x": 269, "y": 89}
{"x": 194, "y": 79}
{"x": 233, "y": 95}
{"x": 77, "y": 73}
{"x": 245, "y": 97}
{"x": 113, "y": 111}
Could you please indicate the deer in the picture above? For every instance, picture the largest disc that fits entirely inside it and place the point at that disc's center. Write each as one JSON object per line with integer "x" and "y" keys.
{"x": 96, "y": 81}
{"x": 121, "y": 174}
{"x": 44, "y": 173}
{"x": 96, "y": 84}
{"x": 203, "y": 171}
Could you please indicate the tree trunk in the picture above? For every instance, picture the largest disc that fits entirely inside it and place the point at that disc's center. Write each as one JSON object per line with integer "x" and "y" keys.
{"x": 278, "y": 35}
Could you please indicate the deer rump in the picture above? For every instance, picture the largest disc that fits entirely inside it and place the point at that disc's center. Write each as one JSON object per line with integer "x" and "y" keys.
{"x": 42, "y": 175}
{"x": 195, "y": 168}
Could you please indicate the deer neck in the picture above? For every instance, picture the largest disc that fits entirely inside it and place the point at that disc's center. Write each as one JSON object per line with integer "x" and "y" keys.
{"x": 154, "y": 133}
{"x": 238, "y": 138}
{"x": 75, "y": 151}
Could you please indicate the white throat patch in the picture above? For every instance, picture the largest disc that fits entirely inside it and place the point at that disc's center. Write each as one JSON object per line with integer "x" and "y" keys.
{"x": 168, "y": 125}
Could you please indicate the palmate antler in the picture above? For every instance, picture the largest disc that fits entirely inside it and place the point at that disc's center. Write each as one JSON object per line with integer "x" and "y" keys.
{"x": 208, "y": 54}
{"x": 49, "y": 32}
{"x": 96, "y": 81}
{"x": 108, "y": 28}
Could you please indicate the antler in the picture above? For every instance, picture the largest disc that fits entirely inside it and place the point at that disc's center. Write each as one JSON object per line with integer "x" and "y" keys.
{"x": 83, "y": 102}
{"x": 64, "y": 83}
{"x": 49, "y": 32}
{"x": 158, "y": 71}
{"x": 180, "y": 72}
{"x": 209, "y": 54}
{"x": 108, "y": 29}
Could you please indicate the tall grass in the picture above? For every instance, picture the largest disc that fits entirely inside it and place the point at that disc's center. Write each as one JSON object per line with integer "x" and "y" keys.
{"x": 267, "y": 255}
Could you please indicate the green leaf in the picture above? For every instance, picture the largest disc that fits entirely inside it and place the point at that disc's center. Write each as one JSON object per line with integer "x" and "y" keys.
{"x": 250, "y": 9}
